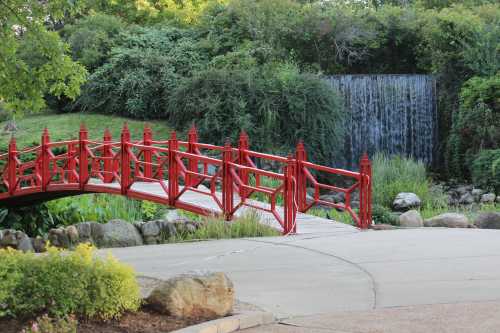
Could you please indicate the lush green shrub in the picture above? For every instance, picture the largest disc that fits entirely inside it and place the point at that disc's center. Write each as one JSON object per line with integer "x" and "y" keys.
{"x": 477, "y": 124}
{"x": 486, "y": 170}
{"x": 102, "y": 208}
{"x": 392, "y": 175}
{"x": 34, "y": 220}
{"x": 276, "y": 105}
{"x": 141, "y": 73}
{"x": 61, "y": 284}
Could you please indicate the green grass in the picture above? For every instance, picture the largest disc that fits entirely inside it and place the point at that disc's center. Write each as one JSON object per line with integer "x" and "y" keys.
{"x": 66, "y": 126}
{"x": 470, "y": 212}
{"x": 247, "y": 225}
{"x": 392, "y": 175}
{"x": 332, "y": 214}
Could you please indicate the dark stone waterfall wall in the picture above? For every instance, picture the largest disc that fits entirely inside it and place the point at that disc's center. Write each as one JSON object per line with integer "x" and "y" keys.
{"x": 395, "y": 114}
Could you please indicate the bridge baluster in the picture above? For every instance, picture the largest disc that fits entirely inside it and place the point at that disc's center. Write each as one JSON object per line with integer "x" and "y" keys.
{"x": 125, "y": 160}
{"x": 289, "y": 207}
{"x": 12, "y": 166}
{"x": 300, "y": 176}
{"x": 227, "y": 181}
{"x": 71, "y": 166}
{"x": 191, "y": 180}
{"x": 173, "y": 169}
{"x": 147, "y": 140}
{"x": 107, "y": 153}
{"x": 46, "y": 176}
{"x": 243, "y": 146}
{"x": 365, "y": 216}
{"x": 83, "y": 157}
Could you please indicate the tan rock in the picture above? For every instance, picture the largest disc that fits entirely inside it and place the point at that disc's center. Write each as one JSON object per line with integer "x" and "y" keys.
{"x": 411, "y": 219}
{"x": 194, "y": 296}
{"x": 449, "y": 220}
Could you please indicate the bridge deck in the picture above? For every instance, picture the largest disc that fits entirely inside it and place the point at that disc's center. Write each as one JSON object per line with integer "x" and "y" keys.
{"x": 306, "y": 223}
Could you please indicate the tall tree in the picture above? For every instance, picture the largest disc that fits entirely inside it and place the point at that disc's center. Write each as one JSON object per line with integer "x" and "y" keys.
{"x": 33, "y": 59}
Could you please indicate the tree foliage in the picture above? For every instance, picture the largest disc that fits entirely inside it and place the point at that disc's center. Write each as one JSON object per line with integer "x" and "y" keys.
{"x": 33, "y": 59}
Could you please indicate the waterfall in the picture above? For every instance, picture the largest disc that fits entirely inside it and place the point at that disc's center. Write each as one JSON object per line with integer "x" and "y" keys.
{"x": 395, "y": 114}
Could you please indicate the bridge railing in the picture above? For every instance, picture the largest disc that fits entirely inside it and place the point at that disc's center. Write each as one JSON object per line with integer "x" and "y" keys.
{"x": 229, "y": 176}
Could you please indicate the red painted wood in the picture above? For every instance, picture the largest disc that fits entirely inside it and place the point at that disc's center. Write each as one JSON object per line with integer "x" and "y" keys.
{"x": 146, "y": 160}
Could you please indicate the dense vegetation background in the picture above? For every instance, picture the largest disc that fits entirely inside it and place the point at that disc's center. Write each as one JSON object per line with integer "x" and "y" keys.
{"x": 256, "y": 65}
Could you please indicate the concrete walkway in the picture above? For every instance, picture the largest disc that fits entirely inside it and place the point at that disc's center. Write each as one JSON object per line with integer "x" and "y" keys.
{"x": 313, "y": 277}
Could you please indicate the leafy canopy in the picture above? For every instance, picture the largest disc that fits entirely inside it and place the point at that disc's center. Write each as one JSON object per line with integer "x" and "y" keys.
{"x": 33, "y": 59}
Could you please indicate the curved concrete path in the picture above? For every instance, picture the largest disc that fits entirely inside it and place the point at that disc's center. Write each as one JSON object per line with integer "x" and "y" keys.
{"x": 339, "y": 268}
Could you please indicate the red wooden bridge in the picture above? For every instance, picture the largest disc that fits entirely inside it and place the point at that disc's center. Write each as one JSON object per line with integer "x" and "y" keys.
{"x": 168, "y": 171}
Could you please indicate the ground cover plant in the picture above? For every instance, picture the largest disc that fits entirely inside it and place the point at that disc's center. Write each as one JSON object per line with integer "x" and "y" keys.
{"x": 60, "y": 284}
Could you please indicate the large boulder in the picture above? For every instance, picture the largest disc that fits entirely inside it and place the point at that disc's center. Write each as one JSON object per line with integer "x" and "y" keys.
{"x": 449, "y": 220}
{"x": 488, "y": 198}
{"x": 157, "y": 232}
{"x": 489, "y": 220}
{"x": 115, "y": 233}
{"x": 405, "y": 201}
{"x": 411, "y": 219}
{"x": 194, "y": 296}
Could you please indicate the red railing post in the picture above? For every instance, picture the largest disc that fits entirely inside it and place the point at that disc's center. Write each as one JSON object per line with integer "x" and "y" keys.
{"x": 12, "y": 166}
{"x": 289, "y": 207}
{"x": 147, "y": 140}
{"x": 300, "y": 177}
{"x": 125, "y": 160}
{"x": 107, "y": 153}
{"x": 227, "y": 181}
{"x": 45, "y": 159}
{"x": 192, "y": 163}
{"x": 243, "y": 146}
{"x": 365, "y": 216}
{"x": 83, "y": 156}
{"x": 71, "y": 167}
{"x": 173, "y": 169}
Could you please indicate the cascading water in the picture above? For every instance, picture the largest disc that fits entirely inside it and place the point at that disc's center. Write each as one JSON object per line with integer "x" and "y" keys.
{"x": 395, "y": 114}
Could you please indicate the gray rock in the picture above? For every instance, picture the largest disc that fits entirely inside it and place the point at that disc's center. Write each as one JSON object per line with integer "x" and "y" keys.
{"x": 411, "y": 219}
{"x": 116, "y": 233}
{"x": 167, "y": 229}
{"x": 461, "y": 190}
{"x": 355, "y": 204}
{"x": 72, "y": 233}
{"x": 85, "y": 231}
{"x": 383, "y": 226}
{"x": 16, "y": 239}
{"x": 405, "y": 201}
{"x": 151, "y": 232}
{"x": 466, "y": 199}
{"x": 488, "y": 198}
{"x": 498, "y": 199}
{"x": 9, "y": 239}
{"x": 490, "y": 220}
{"x": 449, "y": 220}
{"x": 25, "y": 244}
{"x": 59, "y": 238}
{"x": 1, "y": 236}
{"x": 39, "y": 244}
{"x": 476, "y": 193}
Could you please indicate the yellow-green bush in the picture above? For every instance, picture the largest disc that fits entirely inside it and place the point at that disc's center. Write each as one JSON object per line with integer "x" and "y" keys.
{"x": 62, "y": 283}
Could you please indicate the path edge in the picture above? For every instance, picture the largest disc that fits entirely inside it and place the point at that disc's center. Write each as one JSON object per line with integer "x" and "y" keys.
{"x": 234, "y": 323}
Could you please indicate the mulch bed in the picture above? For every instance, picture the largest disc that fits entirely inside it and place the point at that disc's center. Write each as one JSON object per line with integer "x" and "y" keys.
{"x": 143, "y": 321}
